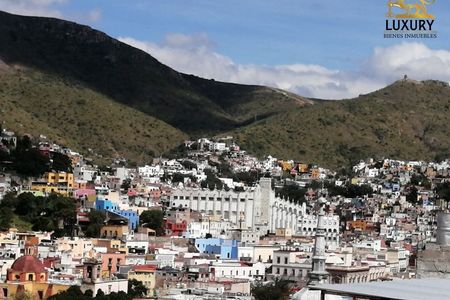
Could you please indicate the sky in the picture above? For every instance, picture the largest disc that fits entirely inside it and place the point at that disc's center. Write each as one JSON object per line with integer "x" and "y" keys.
{"x": 325, "y": 49}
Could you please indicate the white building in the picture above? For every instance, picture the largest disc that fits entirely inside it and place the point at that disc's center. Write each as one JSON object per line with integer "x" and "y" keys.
{"x": 255, "y": 208}
{"x": 307, "y": 225}
{"x": 84, "y": 173}
{"x": 290, "y": 264}
{"x": 150, "y": 171}
{"x": 237, "y": 270}
{"x": 201, "y": 229}
{"x": 217, "y": 147}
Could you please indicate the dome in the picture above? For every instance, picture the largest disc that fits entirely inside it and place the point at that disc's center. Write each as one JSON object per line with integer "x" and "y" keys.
{"x": 28, "y": 264}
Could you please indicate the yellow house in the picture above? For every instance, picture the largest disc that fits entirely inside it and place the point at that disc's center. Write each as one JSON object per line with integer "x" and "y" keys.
{"x": 60, "y": 178}
{"x": 315, "y": 173}
{"x": 303, "y": 168}
{"x": 285, "y": 165}
{"x": 146, "y": 274}
{"x": 53, "y": 182}
{"x": 114, "y": 231}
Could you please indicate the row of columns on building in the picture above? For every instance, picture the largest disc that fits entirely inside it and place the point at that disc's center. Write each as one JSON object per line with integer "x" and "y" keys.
{"x": 241, "y": 208}
{"x": 283, "y": 217}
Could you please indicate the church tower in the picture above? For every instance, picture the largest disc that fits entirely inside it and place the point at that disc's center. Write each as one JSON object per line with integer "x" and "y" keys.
{"x": 318, "y": 274}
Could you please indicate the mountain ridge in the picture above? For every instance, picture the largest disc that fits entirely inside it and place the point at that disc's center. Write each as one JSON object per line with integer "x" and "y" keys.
{"x": 405, "y": 120}
{"x": 132, "y": 76}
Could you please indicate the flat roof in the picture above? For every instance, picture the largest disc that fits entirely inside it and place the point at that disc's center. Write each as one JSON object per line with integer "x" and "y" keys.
{"x": 408, "y": 289}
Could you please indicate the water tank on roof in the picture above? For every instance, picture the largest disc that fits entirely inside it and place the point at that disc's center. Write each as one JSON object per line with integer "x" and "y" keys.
{"x": 443, "y": 229}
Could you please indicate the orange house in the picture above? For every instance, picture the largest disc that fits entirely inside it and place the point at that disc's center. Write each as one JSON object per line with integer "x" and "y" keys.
{"x": 111, "y": 263}
{"x": 360, "y": 225}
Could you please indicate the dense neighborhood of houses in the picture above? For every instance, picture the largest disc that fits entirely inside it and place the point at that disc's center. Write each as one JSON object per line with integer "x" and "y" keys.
{"x": 214, "y": 221}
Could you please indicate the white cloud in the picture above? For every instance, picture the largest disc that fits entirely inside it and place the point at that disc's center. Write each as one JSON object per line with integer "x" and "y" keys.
{"x": 43, "y": 8}
{"x": 194, "y": 54}
{"x": 48, "y": 8}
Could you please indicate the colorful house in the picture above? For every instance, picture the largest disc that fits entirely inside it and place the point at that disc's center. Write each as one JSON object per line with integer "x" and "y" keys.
{"x": 146, "y": 274}
{"x": 227, "y": 249}
{"x": 107, "y": 205}
{"x": 27, "y": 276}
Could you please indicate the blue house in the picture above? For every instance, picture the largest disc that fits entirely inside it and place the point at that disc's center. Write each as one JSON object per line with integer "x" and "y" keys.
{"x": 227, "y": 249}
{"x": 107, "y": 205}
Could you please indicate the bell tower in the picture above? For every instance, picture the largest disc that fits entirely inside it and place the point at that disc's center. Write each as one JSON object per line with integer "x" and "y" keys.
{"x": 318, "y": 274}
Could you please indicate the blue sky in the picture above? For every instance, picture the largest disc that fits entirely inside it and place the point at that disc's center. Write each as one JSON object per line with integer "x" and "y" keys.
{"x": 253, "y": 37}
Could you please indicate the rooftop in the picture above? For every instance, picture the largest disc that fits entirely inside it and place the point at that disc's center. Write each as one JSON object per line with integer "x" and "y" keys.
{"x": 413, "y": 289}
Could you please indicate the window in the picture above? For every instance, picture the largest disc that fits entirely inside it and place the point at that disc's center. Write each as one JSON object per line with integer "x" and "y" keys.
{"x": 278, "y": 270}
{"x": 278, "y": 260}
{"x": 285, "y": 260}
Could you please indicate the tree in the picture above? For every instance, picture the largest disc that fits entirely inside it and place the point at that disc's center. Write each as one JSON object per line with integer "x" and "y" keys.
{"x": 126, "y": 184}
{"x": 276, "y": 290}
{"x": 72, "y": 293}
{"x": 29, "y": 161}
{"x": 26, "y": 205}
{"x": 61, "y": 162}
{"x": 96, "y": 221}
{"x": 9, "y": 200}
{"x": 292, "y": 192}
{"x": 187, "y": 164}
{"x": 411, "y": 197}
{"x": 43, "y": 223}
{"x": 211, "y": 181}
{"x": 136, "y": 289}
{"x": 6, "y": 218}
{"x": 153, "y": 219}
{"x": 443, "y": 191}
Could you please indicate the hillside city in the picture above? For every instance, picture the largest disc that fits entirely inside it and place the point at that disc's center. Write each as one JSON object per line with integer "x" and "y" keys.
{"x": 209, "y": 220}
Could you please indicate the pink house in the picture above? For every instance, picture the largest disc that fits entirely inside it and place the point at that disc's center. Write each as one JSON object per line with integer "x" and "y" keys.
{"x": 111, "y": 263}
{"x": 84, "y": 193}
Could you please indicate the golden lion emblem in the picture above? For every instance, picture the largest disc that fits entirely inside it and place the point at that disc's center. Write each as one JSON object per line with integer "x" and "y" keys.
{"x": 410, "y": 11}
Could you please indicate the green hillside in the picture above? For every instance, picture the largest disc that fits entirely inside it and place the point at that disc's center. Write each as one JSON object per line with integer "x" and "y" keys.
{"x": 134, "y": 78}
{"x": 72, "y": 115}
{"x": 406, "y": 120}
{"x": 86, "y": 90}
